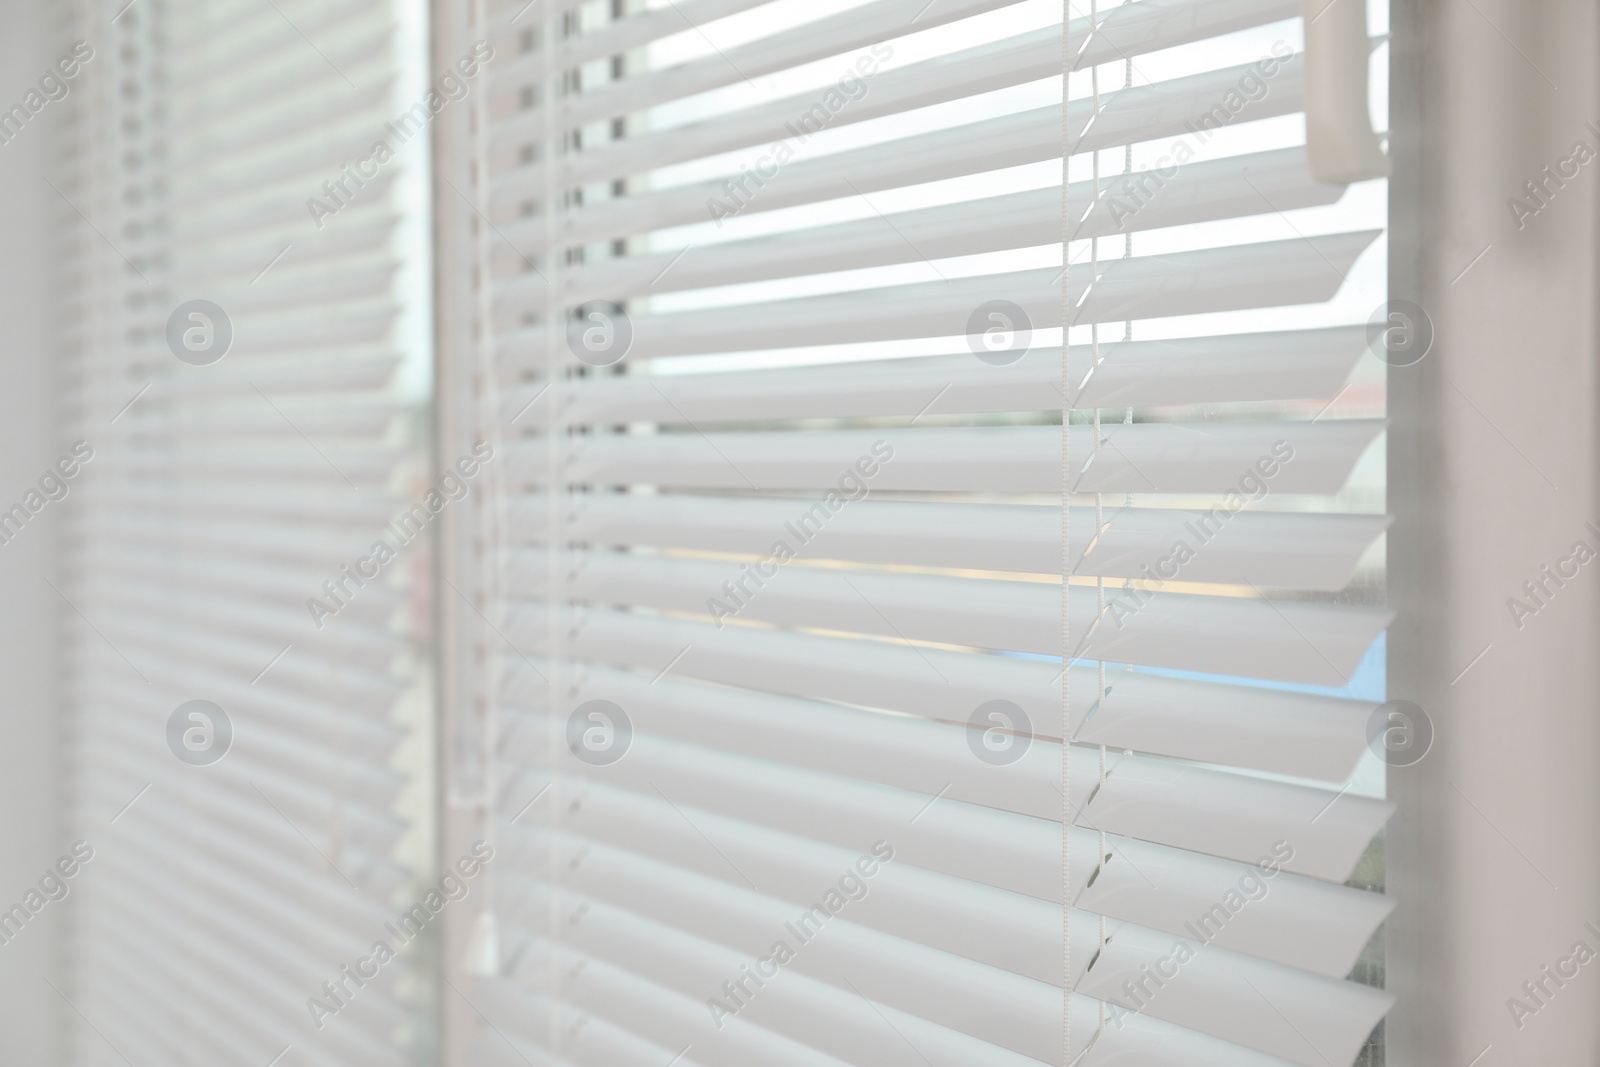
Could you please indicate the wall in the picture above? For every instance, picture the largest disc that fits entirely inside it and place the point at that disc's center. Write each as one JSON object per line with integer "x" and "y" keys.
{"x": 1494, "y": 856}
{"x": 30, "y": 831}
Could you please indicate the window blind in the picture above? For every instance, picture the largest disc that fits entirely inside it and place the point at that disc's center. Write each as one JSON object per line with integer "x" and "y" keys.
{"x": 247, "y": 451}
{"x": 791, "y": 684}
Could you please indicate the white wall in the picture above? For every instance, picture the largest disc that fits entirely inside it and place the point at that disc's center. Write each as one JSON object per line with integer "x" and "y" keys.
{"x": 1495, "y": 855}
{"x": 30, "y": 612}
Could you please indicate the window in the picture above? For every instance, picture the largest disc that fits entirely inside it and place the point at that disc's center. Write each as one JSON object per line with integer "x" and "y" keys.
{"x": 773, "y": 582}
{"x": 633, "y": 533}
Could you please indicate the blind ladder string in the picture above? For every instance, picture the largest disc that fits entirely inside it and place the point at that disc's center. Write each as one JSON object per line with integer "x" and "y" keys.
{"x": 1099, "y": 515}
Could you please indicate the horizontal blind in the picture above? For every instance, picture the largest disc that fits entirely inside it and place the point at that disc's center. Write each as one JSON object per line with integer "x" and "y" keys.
{"x": 234, "y": 481}
{"x": 778, "y": 566}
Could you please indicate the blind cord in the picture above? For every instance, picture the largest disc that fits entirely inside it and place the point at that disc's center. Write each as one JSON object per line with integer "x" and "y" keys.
{"x": 1099, "y": 500}
{"x": 1066, "y": 583}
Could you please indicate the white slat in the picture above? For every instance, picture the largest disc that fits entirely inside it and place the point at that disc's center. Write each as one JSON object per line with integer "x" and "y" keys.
{"x": 1207, "y": 458}
{"x": 1300, "y": 271}
{"x": 1273, "y": 550}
